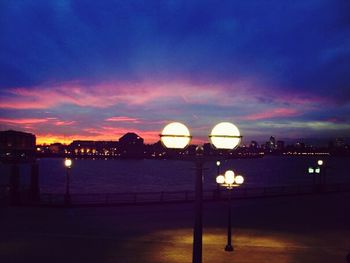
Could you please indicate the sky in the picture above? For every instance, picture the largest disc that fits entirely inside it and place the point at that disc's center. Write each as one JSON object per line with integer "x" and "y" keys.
{"x": 94, "y": 70}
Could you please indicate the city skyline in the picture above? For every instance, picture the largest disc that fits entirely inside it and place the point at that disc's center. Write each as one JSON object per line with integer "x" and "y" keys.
{"x": 95, "y": 71}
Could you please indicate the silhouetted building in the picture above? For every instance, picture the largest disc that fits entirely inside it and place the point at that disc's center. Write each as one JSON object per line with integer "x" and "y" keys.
{"x": 270, "y": 145}
{"x": 56, "y": 148}
{"x": 131, "y": 146}
{"x": 17, "y": 146}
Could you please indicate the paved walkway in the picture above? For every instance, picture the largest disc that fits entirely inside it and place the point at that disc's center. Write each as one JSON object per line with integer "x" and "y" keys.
{"x": 289, "y": 229}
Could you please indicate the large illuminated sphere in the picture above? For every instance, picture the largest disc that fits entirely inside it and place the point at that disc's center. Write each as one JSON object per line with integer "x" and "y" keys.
{"x": 320, "y": 162}
{"x": 225, "y": 135}
{"x": 68, "y": 163}
{"x": 220, "y": 179}
{"x": 239, "y": 179}
{"x": 175, "y": 136}
{"x": 229, "y": 177}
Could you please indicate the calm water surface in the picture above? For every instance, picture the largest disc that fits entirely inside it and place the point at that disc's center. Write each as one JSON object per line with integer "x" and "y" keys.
{"x": 102, "y": 176}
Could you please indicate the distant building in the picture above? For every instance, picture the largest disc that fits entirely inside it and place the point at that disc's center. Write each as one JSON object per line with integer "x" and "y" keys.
{"x": 270, "y": 145}
{"x": 131, "y": 146}
{"x": 280, "y": 145}
{"x": 17, "y": 146}
{"x": 56, "y": 148}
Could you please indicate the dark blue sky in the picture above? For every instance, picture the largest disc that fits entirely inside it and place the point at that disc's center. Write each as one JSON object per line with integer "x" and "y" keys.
{"x": 95, "y": 69}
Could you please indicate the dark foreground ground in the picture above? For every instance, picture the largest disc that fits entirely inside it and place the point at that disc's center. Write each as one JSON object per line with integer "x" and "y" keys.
{"x": 314, "y": 228}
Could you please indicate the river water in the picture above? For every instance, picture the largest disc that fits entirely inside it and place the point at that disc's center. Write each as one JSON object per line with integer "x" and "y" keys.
{"x": 115, "y": 176}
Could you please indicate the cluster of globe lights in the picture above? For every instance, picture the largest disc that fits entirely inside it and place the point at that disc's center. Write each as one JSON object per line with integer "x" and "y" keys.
{"x": 224, "y": 135}
{"x": 316, "y": 170}
{"x": 230, "y": 179}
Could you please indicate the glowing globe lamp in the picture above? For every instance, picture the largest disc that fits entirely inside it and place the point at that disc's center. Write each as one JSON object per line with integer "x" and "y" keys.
{"x": 175, "y": 136}
{"x": 220, "y": 179}
{"x": 239, "y": 179}
{"x": 229, "y": 177}
{"x": 320, "y": 162}
{"x": 68, "y": 163}
{"x": 225, "y": 135}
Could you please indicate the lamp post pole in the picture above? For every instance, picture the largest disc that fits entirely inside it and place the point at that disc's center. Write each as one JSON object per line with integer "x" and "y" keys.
{"x": 175, "y": 135}
{"x": 229, "y": 180}
{"x": 318, "y": 171}
{"x": 198, "y": 222}
{"x": 218, "y": 163}
{"x": 67, "y": 196}
{"x": 68, "y": 165}
{"x": 229, "y": 246}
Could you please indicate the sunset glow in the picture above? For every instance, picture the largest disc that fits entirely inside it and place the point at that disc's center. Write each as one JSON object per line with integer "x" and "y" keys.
{"x": 123, "y": 69}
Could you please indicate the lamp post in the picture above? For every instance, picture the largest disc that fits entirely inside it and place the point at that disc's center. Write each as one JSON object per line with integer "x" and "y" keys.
{"x": 68, "y": 164}
{"x": 229, "y": 180}
{"x": 218, "y": 163}
{"x": 176, "y": 135}
{"x": 316, "y": 170}
{"x": 320, "y": 163}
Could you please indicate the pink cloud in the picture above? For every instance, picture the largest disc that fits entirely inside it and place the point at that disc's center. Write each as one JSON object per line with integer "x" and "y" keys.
{"x": 104, "y": 95}
{"x": 151, "y": 92}
{"x": 23, "y": 121}
{"x": 123, "y": 119}
{"x": 275, "y": 113}
{"x": 64, "y": 123}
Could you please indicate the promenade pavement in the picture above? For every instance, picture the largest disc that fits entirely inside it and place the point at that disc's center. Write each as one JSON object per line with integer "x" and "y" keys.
{"x": 310, "y": 228}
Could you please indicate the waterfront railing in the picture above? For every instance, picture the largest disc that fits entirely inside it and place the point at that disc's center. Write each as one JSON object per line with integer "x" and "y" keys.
{"x": 139, "y": 198}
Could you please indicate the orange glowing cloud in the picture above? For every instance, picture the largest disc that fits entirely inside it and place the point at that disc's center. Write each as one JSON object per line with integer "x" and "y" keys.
{"x": 48, "y": 138}
{"x": 104, "y": 134}
{"x": 275, "y": 113}
{"x": 114, "y": 133}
